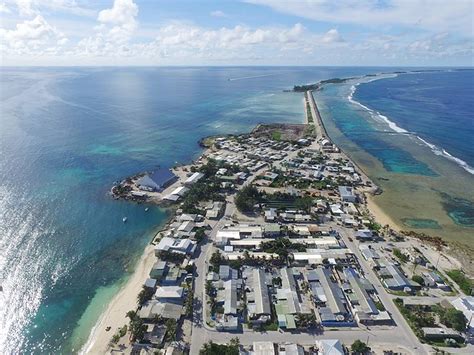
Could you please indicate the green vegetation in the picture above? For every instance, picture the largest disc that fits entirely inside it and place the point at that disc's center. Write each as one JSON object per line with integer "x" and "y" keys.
{"x": 380, "y": 306}
{"x": 212, "y": 348}
{"x": 145, "y": 294}
{"x": 200, "y": 234}
{"x": 247, "y": 198}
{"x": 171, "y": 328}
{"x": 462, "y": 280}
{"x": 120, "y": 333}
{"x": 416, "y": 317}
{"x": 276, "y": 135}
{"x": 301, "y": 88}
{"x": 306, "y": 320}
{"x": 282, "y": 247}
{"x": 189, "y": 303}
{"x": 374, "y": 226}
{"x": 309, "y": 114}
{"x": 136, "y": 326}
{"x": 359, "y": 347}
{"x": 451, "y": 317}
{"x": 217, "y": 260}
{"x": 418, "y": 279}
{"x": 400, "y": 256}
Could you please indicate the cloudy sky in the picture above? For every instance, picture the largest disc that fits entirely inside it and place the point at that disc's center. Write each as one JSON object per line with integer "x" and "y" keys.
{"x": 233, "y": 32}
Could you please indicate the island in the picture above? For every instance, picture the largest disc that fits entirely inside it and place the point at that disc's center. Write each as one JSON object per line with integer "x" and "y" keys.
{"x": 273, "y": 245}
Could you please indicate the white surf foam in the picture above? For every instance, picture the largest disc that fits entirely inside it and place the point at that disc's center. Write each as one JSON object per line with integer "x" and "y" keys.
{"x": 435, "y": 149}
{"x": 442, "y": 152}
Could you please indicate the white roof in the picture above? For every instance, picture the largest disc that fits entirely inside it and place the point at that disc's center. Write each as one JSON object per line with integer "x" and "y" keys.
{"x": 193, "y": 178}
{"x": 330, "y": 347}
{"x": 179, "y": 191}
{"x": 228, "y": 234}
{"x": 263, "y": 348}
{"x": 169, "y": 292}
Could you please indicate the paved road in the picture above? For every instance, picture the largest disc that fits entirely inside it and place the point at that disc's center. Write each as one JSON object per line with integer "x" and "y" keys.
{"x": 402, "y": 328}
{"x": 200, "y": 328}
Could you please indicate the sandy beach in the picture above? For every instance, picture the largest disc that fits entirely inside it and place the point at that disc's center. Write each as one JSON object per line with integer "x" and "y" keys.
{"x": 380, "y": 215}
{"x": 114, "y": 316}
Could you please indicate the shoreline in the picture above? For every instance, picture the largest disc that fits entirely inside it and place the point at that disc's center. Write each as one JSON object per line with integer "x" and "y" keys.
{"x": 114, "y": 314}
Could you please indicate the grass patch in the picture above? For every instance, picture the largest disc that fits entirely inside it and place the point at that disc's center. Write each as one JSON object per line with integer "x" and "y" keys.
{"x": 465, "y": 283}
{"x": 276, "y": 135}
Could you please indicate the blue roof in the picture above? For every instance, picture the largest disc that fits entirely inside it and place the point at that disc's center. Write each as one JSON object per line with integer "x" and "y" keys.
{"x": 162, "y": 176}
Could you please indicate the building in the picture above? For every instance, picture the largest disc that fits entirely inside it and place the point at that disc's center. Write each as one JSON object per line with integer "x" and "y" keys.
{"x": 264, "y": 348}
{"x": 465, "y": 304}
{"x": 158, "y": 270}
{"x": 347, "y": 194}
{"x": 437, "y": 334}
{"x": 258, "y": 298}
{"x": 178, "y": 246}
{"x": 169, "y": 294}
{"x": 329, "y": 347}
{"x": 157, "y": 181}
{"x": 194, "y": 178}
{"x": 216, "y": 210}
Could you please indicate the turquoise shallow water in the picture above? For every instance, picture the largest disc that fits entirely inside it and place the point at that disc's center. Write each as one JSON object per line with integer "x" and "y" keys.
{"x": 65, "y": 135}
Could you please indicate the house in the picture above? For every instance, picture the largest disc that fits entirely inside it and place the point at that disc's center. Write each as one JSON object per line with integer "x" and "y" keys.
{"x": 432, "y": 279}
{"x": 271, "y": 230}
{"x": 258, "y": 298}
{"x": 465, "y": 304}
{"x": 157, "y": 181}
{"x": 176, "y": 194}
{"x": 178, "y": 246}
{"x": 170, "y": 294}
{"x": 364, "y": 235}
{"x": 264, "y": 348}
{"x": 329, "y": 347}
{"x": 153, "y": 308}
{"x": 436, "y": 334}
{"x": 193, "y": 178}
{"x": 150, "y": 283}
{"x": 271, "y": 215}
{"x": 155, "y": 334}
{"x": 230, "y": 300}
{"x": 227, "y": 273}
{"x": 347, "y": 194}
{"x": 158, "y": 270}
{"x": 216, "y": 210}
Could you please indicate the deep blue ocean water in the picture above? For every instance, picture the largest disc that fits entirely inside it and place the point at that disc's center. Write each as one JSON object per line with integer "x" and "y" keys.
{"x": 436, "y": 106}
{"x": 66, "y": 134}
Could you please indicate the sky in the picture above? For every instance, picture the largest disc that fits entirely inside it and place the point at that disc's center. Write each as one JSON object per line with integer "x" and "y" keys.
{"x": 237, "y": 32}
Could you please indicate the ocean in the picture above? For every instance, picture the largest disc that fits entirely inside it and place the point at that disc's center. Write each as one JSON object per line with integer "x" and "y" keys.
{"x": 66, "y": 134}
{"x": 413, "y": 134}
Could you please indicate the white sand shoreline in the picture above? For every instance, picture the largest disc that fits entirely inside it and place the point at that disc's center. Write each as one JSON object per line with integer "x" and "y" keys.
{"x": 115, "y": 313}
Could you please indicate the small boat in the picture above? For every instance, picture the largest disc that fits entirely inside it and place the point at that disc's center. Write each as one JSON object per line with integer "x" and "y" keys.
{"x": 146, "y": 209}
{"x": 124, "y": 219}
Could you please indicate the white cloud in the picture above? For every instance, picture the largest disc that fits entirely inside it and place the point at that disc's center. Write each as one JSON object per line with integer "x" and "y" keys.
{"x": 31, "y": 36}
{"x": 28, "y": 8}
{"x": 4, "y": 9}
{"x": 433, "y": 15}
{"x": 123, "y": 12}
{"x": 116, "y": 28}
{"x": 332, "y": 36}
{"x": 218, "y": 13}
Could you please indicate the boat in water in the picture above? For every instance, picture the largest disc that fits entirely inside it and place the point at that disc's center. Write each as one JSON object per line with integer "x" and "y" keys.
{"x": 124, "y": 219}
{"x": 146, "y": 209}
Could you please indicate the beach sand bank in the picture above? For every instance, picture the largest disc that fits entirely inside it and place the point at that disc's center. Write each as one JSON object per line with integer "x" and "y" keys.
{"x": 115, "y": 314}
